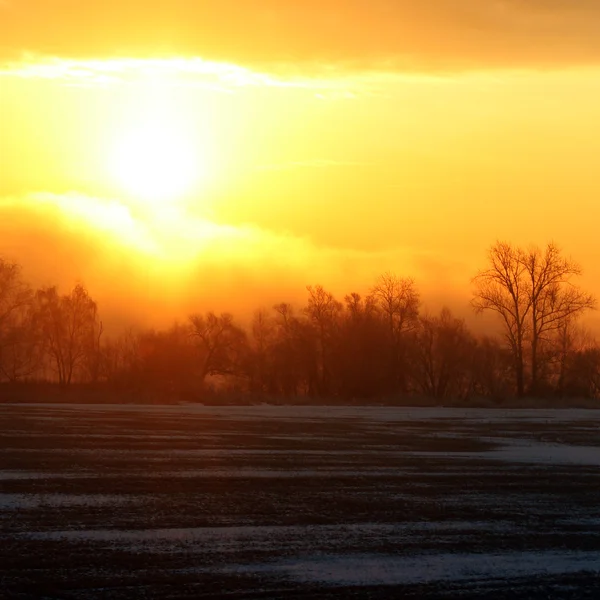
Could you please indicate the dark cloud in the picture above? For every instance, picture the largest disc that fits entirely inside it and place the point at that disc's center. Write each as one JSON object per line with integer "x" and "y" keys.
{"x": 403, "y": 34}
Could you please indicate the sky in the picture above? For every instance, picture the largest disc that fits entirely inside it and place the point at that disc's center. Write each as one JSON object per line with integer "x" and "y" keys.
{"x": 180, "y": 156}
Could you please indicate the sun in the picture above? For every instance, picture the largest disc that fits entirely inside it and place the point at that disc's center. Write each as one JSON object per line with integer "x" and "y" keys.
{"x": 156, "y": 163}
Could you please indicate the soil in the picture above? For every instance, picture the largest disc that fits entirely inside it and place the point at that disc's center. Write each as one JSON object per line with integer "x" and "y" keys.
{"x": 152, "y": 503}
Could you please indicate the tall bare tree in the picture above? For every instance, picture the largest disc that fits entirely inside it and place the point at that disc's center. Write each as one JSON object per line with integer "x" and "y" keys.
{"x": 555, "y": 299}
{"x": 503, "y": 288}
{"x": 323, "y": 310}
{"x": 398, "y": 300}
{"x": 533, "y": 293}
{"x": 69, "y": 326}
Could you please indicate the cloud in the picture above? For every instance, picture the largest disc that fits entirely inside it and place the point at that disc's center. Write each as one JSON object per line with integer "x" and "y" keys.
{"x": 186, "y": 72}
{"x": 125, "y": 70}
{"x": 429, "y": 35}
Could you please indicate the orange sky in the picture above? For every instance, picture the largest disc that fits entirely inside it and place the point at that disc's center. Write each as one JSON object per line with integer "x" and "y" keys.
{"x": 314, "y": 142}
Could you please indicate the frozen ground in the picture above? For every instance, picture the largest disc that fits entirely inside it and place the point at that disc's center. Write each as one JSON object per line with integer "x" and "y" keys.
{"x": 316, "y": 502}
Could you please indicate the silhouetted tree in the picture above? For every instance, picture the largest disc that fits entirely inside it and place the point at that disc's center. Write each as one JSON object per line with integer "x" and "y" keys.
{"x": 503, "y": 288}
{"x": 582, "y": 377}
{"x": 555, "y": 300}
{"x": 399, "y": 303}
{"x": 68, "y": 325}
{"x": 292, "y": 355}
{"x": 14, "y": 292}
{"x": 19, "y": 356}
{"x": 361, "y": 358}
{"x": 533, "y": 294}
{"x": 493, "y": 371}
{"x": 443, "y": 357}
{"x": 367, "y": 347}
{"x": 21, "y": 348}
{"x": 93, "y": 361}
{"x": 322, "y": 311}
{"x": 166, "y": 361}
{"x": 263, "y": 339}
{"x": 221, "y": 344}
{"x": 577, "y": 362}
{"x": 121, "y": 359}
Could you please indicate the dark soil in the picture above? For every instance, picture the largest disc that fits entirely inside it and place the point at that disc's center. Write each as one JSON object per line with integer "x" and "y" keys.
{"x": 340, "y": 485}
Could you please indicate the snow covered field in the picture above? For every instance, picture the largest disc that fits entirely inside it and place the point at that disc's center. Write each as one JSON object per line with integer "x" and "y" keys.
{"x": 191, "y": 501}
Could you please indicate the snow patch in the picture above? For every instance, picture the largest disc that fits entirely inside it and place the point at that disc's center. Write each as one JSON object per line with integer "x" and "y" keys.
{"x": 375, "y": 569}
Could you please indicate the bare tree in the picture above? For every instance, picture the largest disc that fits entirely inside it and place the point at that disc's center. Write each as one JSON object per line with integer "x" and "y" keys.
{"x": 503, "y": 288}
{"x": 492, "y": 368}
{"x": 398, "y": 300}
{"x": 361, "y": 350}
{"x": 443, "y": 357}
{"x": 166, "y": 362}
{"x": 93, "y": 362}
{"x": 554, "y": 298}
{"x": 322, "y": 307}
{"x": 221, "y": 344}
{"x": 533, "y": 294}
{"x": 290, "y": 356}
{"x": 68, "y": 325}
{"x": 359, "y": 308}
{"x": 14, "y": 292}
{"x": 21, "y": 347}
{"x": 323, "y": 310}
{"x": 286, "y": 314}
{"x": 263, "y": 332}
{"x": 121, "y": 358}
{"x": 20, "y": 350}
{"x": 570, "y": 343}
{"x": 583, "y": 375}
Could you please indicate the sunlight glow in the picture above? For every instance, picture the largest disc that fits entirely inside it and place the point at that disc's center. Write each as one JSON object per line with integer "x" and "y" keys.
{"x": 156, "y": 163}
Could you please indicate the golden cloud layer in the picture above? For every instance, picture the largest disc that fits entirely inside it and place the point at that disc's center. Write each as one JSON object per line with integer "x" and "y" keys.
{"x": 403, "y": 34}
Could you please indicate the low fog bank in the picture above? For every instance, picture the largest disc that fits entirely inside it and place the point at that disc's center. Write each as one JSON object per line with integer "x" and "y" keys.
{"x": 143, "y": 275}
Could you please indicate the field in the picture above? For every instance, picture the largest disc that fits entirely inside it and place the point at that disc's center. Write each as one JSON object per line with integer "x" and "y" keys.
{"x": 124, "y": 502}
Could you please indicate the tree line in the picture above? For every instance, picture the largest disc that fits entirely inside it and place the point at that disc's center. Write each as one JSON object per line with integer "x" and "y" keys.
{"x": 379, "y": 345}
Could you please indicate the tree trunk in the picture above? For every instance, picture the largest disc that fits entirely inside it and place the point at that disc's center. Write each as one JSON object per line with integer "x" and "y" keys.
{"x": 534, "y": 366}
{"x": 520, "y": 375}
